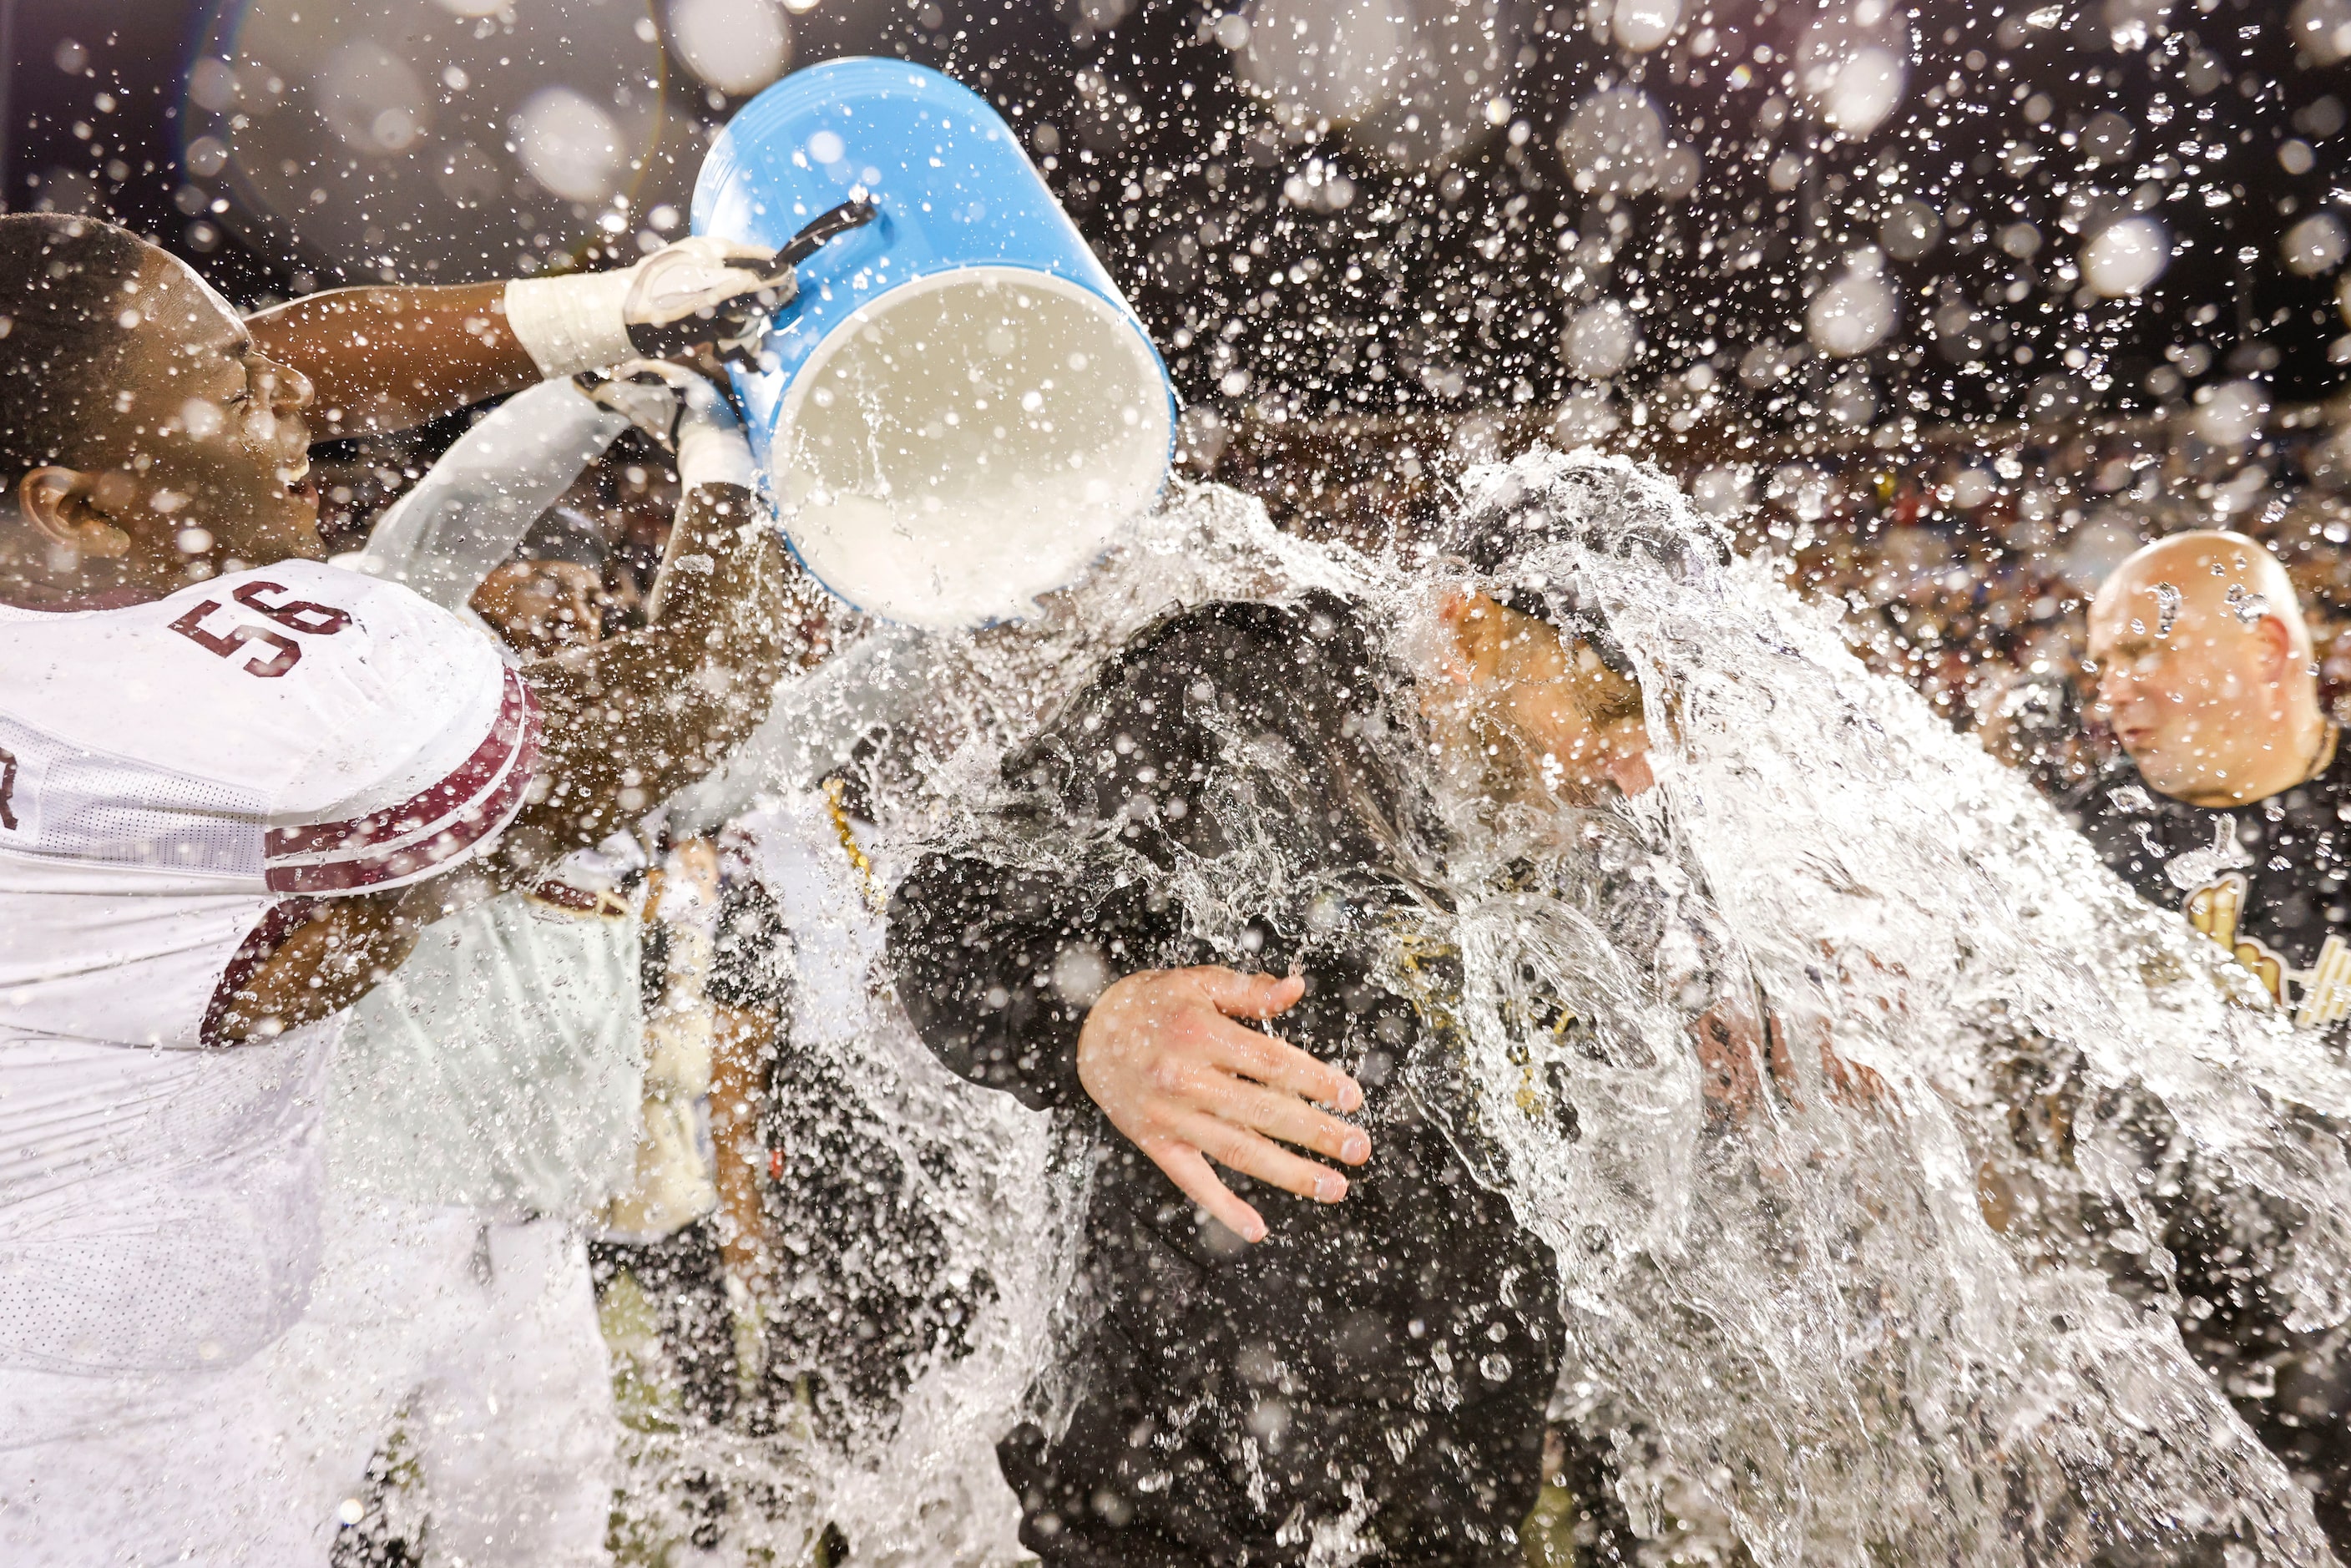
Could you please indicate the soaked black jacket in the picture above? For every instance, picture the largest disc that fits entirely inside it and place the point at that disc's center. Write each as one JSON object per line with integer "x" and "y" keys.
{"x": 2271, "y": 882}
{"x": 1228, "y": 789}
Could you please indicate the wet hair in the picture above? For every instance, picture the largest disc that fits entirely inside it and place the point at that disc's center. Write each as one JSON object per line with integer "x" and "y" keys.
{"x": 1500, "y": 537}
{"x": 1516, "y": 530}
{"x": 62, "y": 334}
{"x": 566, "y": 533}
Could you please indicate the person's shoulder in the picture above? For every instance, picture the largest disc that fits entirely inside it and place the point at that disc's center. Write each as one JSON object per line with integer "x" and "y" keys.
{"x": 2114, "y": 809}
{"x": 425, "y": 737}
{"x": 380, "y": 681}
{"x": 363, "y": 614}
{"x": 370, "y": 736}
{"x": 260, "y": 637}
{"x": 276, "y": 647}
{"x": 1233, "y": 639}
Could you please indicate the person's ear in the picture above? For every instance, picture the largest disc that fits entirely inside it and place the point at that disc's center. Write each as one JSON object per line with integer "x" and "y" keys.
{"x": 62, "y": 505}
{"x": 2277, "y": 647}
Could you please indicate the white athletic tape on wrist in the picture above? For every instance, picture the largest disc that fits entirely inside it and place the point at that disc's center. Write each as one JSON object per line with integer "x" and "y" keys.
{"x": 571, "y": 324}
{"x": 712, "y": 448}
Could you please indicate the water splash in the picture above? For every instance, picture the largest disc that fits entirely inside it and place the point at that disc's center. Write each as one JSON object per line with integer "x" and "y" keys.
{"x": 1820, "y": 1318}
{"x": 976, "y": 1188}
{"x": 2167, "y": 607}
{"x": 1852, "y": 1093}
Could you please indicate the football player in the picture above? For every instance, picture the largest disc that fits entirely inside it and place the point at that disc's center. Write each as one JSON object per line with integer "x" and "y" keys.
{"x": 232, "y": 783}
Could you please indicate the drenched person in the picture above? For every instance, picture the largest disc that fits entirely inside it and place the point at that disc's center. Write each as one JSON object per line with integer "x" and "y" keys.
{"x": 2226, "y": 804}
{"x": 234, "y": 782}
{"x": 2232, "y": 804}
{"x": 1324, "y": 1364}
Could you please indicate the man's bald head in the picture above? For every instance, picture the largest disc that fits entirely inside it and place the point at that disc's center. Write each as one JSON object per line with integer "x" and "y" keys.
{"x": 2215, "y": 574}
{"x": 2204, "y": 667}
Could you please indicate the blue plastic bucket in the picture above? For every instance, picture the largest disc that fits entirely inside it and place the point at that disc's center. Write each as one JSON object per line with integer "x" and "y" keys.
{"x": 960, "y": 410}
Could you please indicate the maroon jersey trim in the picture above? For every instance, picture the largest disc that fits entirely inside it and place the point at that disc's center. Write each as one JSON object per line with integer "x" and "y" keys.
{"x": 516, "y": 711}
{"x": 428, "y": 831}
{"x": 277, "y": 924}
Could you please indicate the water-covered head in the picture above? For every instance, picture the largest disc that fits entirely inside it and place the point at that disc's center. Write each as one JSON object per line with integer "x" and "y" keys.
{"x": 2205, "y": 669}
{"x": 140, "y": 430}
{"x": 1563, "y": 700}
{"x": 1524, "y": 531}
{"x": 1526, "y": 637}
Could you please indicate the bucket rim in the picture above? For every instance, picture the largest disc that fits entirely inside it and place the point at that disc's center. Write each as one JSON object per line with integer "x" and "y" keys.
{"x": 817, "y": 87}
{"x": 819, "y": 356}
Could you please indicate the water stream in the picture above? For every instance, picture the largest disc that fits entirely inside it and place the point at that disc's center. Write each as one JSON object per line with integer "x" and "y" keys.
{"x": 1879, "y": 1279}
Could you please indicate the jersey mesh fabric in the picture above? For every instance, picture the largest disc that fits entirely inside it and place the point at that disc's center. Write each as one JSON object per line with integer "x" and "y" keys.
{"x": 157, "y": 1207}
{"x": 76, "y": 803}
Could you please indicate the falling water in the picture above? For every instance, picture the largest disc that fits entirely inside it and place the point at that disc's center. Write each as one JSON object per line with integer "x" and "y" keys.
{"x": 1888, "y": 1289}
{"x": 1865, "y": 1324}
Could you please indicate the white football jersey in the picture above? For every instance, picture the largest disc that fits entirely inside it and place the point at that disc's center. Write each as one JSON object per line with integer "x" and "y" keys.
{"x": 172, "y": 772}
{"x": 180, "y": 782}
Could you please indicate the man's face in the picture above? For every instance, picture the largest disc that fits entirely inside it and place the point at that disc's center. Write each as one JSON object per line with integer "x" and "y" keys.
{"x": 201, "y": 455}
{"x": 2186, "y": 678}
{"x": 1579, "y": 722}
{"x": 542, "y": 607}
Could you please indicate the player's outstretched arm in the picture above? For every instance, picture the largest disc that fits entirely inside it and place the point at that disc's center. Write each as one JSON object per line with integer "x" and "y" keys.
{"x": 388, "y": 357}
{"x": 624, "y": 723}
{"x": 629, "y": 721}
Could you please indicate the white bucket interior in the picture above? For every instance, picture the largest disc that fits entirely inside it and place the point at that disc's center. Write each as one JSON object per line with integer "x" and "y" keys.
{"x": 967, "y": 441}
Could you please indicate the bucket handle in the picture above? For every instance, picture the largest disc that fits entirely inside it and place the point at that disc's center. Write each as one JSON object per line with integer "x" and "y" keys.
{"x": 781, "y": 286}
{"x": 852, "y": 213}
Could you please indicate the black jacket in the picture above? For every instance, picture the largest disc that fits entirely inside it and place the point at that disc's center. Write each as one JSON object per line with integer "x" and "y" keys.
{"x": 1227, "y": 791}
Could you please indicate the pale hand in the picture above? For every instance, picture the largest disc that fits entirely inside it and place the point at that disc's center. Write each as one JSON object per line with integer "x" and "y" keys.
{"x": 1161, "y": 1054}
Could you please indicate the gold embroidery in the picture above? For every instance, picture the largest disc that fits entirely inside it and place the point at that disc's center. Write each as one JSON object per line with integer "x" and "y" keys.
{"x": 2326, "y": 990}
{"x": 833, "y": 793}
{"x": 2266, "y": 966}
{"x": 2215, "y": 909}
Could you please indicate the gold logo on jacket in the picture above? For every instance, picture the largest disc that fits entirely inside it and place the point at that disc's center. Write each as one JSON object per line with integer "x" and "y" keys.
{"x": 2323, "y": 991}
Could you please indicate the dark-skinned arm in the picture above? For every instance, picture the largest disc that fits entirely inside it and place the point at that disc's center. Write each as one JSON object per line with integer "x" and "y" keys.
{"x": 630, "y": 720}
{"x": 624, "y": 723}
{"x": 386, "y": 358}
{"x": 742, "y": 1042}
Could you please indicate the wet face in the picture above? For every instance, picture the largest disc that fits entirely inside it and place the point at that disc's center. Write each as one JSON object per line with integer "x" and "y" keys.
{"x": 1575, "y": 724}
{"x": 542, "y": 607}
{"x": 2191, "y": 677}
{"x": 198, "y": 460}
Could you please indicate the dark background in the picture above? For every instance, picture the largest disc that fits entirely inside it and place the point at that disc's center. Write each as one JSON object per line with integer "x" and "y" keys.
{"x": 1446, "y": 288}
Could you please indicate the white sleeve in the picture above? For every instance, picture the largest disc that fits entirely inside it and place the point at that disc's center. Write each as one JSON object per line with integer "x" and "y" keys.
{"x": 814, "y": 725}
{"x": 428, "y": 743}
{"x": 478, "y": 502}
